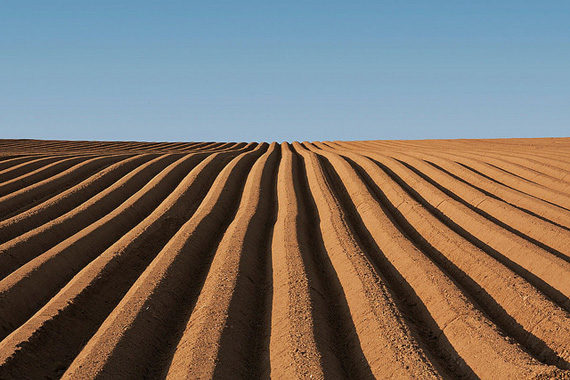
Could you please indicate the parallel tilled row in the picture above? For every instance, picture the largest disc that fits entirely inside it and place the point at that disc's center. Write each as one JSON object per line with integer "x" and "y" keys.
{"x": 365, "y": 259}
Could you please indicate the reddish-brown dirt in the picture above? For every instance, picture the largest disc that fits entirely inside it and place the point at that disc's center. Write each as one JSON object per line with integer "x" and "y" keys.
{"x": 363, "y": 259}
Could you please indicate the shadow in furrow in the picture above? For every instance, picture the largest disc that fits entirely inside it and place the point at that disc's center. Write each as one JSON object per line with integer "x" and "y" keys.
{"x": 512, "y": 188}
{"x": 26, "y": 167}
{"x": 452, "y": 195}
{"x": 44, "y": 173}
{"x": 339, "y": 334}
{"x": 479, "y": 297}
{"x": 553, "y": 294}
{"x": 36, "y": 242}
{"x": 416, "y": 314}
{"x": 518, "y": 176}
{"x": 9, "y": 157}
{"x": 59, "y": 204}
{"x": 484, "y": 192}
{"x": 15, "y": 161}
{"x": 192, "y": 266}
{"x": 28, "y": 291}
{"x": 251, "y": 301}
{"x": 33, "y": 197}
{"x": 50, "y": 353}
{"x": 51, "y": 349}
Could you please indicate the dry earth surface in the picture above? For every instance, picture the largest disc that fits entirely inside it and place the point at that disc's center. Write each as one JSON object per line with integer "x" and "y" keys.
{"x": 405, "y": 259}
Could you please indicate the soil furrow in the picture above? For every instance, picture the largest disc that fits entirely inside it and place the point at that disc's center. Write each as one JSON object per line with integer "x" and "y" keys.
{"x": 511, "y": 196}
{"x": 9, "y": 162}
{"x": 335, "y": 333}
{"x": 515, "y": 205}
{"x": 144, "y": 327}
{"x": 539, "y": 267}
{"x": 27, "y": 167}
{"x": 23, "y": 248}
{"x": 453, "y": 314}
{"x": 393, "y": 349}
{"x": 516, "y": 177}
{"x": 73, "y": 197}
{"x": 35, "y": 176}
{"x": 552, "y": 236}
{"x": 526, "y": 163}
{"x": 30, "y": 286}
{"x": 23, "y": 199}
{"x": 225, "y": 332}
{"x": 557, "y": 199}
{"x": 512, "y": 303}
{"x": 83, "y": 304}
{"x": 63, "y": 202}
{"x": 336, "y": 259}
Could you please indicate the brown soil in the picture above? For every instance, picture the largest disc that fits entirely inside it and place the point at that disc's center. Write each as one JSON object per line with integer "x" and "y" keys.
{"x": 362, "y": 259}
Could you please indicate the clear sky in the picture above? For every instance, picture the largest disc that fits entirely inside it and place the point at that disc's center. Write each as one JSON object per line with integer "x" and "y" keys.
{"x": 284, "y": 70}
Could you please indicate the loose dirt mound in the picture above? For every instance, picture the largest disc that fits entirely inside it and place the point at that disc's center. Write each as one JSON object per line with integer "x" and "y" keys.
{"x": 347, "y": 259}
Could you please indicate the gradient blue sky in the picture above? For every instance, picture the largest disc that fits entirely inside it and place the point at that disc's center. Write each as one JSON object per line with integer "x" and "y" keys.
{"x": 291, "y": 70}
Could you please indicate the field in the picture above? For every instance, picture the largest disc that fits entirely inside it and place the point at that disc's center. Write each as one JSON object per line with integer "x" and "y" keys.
{"x": 406, "y": 259}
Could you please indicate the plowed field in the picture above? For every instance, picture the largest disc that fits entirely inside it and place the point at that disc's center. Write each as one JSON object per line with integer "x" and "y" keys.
{"x": 424, "y": 259}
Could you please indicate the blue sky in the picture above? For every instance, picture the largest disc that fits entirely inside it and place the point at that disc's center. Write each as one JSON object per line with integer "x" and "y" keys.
{"x": 291, "y": 70}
